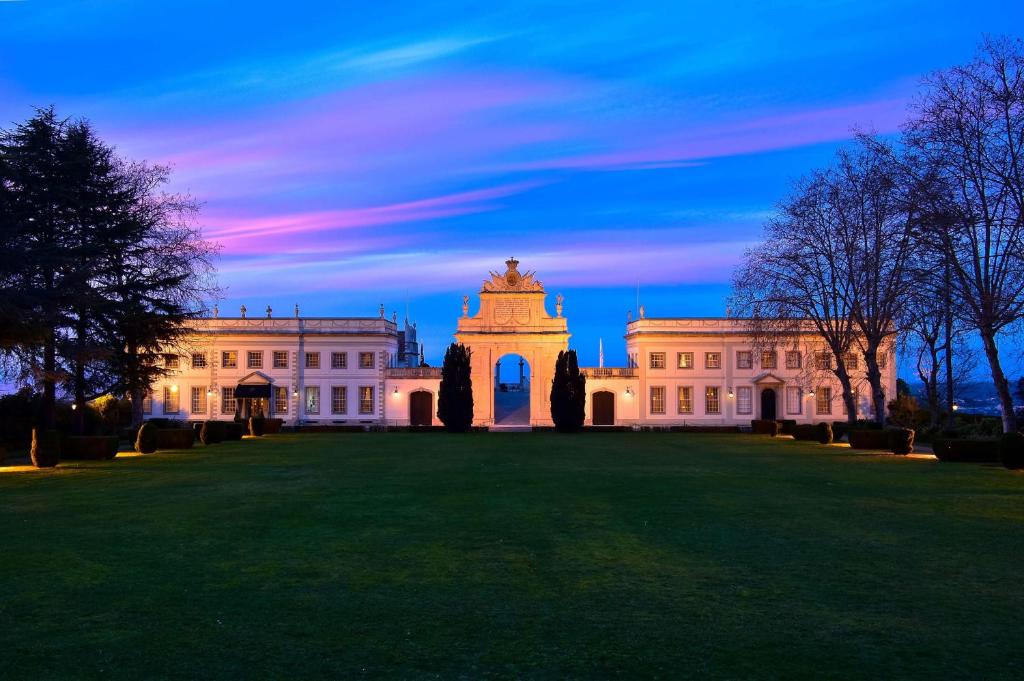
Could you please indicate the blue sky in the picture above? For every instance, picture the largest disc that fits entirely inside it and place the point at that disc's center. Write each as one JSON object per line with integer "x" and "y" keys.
{"x": 349, "y": 154}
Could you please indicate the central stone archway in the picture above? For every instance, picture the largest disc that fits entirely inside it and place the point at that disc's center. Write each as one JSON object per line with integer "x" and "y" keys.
{"x": 512, "y": 320}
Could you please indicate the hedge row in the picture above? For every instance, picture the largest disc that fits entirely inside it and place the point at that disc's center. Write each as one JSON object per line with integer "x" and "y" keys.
{"x": 89, "y": 447}
{"x": 817, "y": 432}
{"x": 765, "y": 427}
{"x": 977, "y": 451}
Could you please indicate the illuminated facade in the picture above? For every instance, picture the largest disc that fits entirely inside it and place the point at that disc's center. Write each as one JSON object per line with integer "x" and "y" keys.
{"x": 366, "y": 371}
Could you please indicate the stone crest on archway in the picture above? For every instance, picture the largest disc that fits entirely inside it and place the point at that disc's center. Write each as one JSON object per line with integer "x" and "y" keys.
{"x": 512, "y": 319}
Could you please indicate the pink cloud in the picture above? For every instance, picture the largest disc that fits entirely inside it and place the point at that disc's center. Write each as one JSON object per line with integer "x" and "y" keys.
{"x": 254, "y": 234}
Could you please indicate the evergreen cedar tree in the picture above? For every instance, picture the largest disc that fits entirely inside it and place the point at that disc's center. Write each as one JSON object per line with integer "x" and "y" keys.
{"x": 100, "y": 267}
{"x": 568, "y": 393}
{"x": 455, "y": 397}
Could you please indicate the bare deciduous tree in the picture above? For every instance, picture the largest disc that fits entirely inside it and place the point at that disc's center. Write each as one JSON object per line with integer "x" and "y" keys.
{"x": 798, "y": 281}
{"x": 969, "y": 125}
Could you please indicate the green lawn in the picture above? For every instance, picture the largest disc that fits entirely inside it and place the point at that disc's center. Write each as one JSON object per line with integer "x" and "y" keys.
{"x": 518, "y": 555}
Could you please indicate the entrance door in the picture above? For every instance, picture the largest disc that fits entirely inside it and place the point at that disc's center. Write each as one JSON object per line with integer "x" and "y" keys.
{"x": 603, "y": 408}
{"x": 421, "y": 408}
{"x": 768, "y": 404}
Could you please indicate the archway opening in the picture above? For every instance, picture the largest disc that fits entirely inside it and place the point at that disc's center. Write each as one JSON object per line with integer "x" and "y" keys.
{"x": 512, "y": 391}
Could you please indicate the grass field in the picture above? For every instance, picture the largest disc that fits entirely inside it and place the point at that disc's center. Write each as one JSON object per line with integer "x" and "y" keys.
{"x": 537, "y": 555}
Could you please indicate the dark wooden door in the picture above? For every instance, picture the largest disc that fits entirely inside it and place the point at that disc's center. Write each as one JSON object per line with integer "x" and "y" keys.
{"x": 768, "y": 404}
{"x": 603, "y": 408}
{"x": 421, "y": 408}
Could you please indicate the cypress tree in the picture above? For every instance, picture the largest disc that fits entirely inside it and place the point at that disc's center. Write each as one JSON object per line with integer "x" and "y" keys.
{"x": 455, "y": 397}
{"x": 568, "y": 393}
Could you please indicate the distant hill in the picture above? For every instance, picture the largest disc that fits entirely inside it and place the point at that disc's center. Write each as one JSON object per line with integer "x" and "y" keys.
{"x": 974, "y": 397}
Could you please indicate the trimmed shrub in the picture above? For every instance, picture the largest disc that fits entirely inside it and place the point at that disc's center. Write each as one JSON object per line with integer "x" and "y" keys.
{"x": 901, "y": 440}
{"x": 976, "y": 451}
{"x": 865, "y": 438}
{"x": 763, "y": 427}
{"x": 175, "y": 438}
{"x": 1011, "y": 450}
{"x": 817, "y": 432}
{"x": 256, "y": 426}
{"x": 787, "y": 426}
{"x": 824, "y": 431}
{"x": 45, "y": 448}
{"x": 3, "y": 453}
{"x": 210, "y": 433}
{"x": 234, "y": 430}
{"x": 271, "y": 426}
{"x": 146, "y": 441}
{"x": 89, "y": 447}
{"x": 804, "y": 431}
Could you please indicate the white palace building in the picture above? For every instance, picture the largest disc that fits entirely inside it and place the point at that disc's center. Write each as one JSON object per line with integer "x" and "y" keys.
{"x": 366, "y": 370}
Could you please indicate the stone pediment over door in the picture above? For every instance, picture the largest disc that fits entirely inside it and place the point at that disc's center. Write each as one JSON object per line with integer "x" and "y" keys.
{"x": 255, "y": 378}
{"x": 767, "y": 378}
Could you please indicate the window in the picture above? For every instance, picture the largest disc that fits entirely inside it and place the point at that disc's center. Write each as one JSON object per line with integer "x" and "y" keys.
{"x": 198, "y": 360}
{"x": 793, "y": 359}
{"x": 366, "y": 360}
{"x": 657, "y": 360}
{"x": 198, "y": 399}
{"x": 684, "y": 360}
{"x": 147, "y": 402}
{"x": 712, "y": 360}
{"x": 712, "y": 403}
{"x": 850, "y": 359}
{"x": 366, "y": 399}
{"x": 312, "y": 360}
{"x": 657, "y": 399}
{"x": 339, "y": 360}
{"x": 769, "y": 360}
{"x": 685, "y": 399}
{"x": 744, "y": 400}
{"x": 280, "y": 399}
{"x": 227, "y": 401}
{"x": 229, "y": 360}
{"x": 312, "y": 398}
{"x": 823, "y": 401}
{"x": 170, "y": 399}
{"x": 794, "y": 400}
{"x": 339, "y": 399}
{"x": 172, "y": 361}
{"x": 280, "y": 359}
{"x": 254, "y": 359}
{"x": 744, "y": 359}
{"x": 824, "y": 360}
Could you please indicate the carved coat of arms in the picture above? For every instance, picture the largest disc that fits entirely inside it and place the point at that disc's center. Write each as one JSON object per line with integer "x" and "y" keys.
{"x": 513, "y": 280}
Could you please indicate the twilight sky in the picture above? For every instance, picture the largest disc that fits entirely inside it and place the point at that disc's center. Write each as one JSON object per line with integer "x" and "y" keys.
{"x": 350, "y": 154}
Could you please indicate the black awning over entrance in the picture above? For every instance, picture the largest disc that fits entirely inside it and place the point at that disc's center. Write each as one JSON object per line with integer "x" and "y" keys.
{"x": 247, "y": 391}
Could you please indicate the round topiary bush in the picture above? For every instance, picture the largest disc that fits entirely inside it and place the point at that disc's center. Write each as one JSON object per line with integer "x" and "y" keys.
{"x": 146, "y": 441}
{"x": 1011, "y": 450}
{"x": 901, "y": 440}
{"x": 824, "y": 433}
{"x": 45, "y": 448}
{"x": 256, "y": 424}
